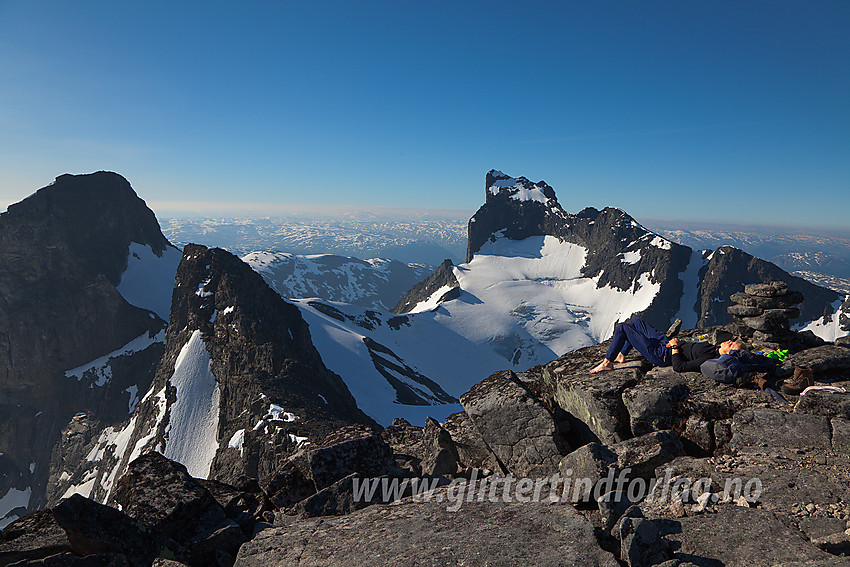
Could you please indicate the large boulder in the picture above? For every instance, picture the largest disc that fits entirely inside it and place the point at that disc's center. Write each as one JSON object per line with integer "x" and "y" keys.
{"x": 515, "y": 425}
{"x": 588, "y": 461}
{"x": 472, "y": 450}
{"x": 824, "y": 402}
{"x": 350, "y": 449}
{"x": 162, "y": 494}
{"x": 79, "y": 531}
{"x": 35, "y": 536}
{"x": 823, "y": 360}
{"x": 655, "y": 404}
{"x": 646, "y": 453}
{"x": 317, "y": 479}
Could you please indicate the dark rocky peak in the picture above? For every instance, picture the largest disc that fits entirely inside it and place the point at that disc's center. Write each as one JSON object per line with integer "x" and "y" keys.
{"x": 239, "y": 387}
{"x": 262, "y": 357}
{"x": 70, "y": 342}
{"x": 588, "y": 213}
{"x": 729, "y": 269}
{"x": 92, "y": 217}
{"x": 517, "y": 209}
{"x": 517, "y": 206}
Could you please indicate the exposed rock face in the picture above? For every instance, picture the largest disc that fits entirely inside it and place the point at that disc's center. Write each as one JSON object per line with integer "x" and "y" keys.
{"x": 442, "y": 279}
{"x": 63, "y": 251}
{"x": 712, "y": 460}
{"x": 239, "y": 386}
{"x": 729, "y": 269}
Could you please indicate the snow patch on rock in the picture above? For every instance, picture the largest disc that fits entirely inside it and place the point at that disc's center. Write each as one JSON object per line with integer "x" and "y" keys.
{"x": 100, "y": 370}
{"x": 148, "y": 280}
{"x": 827, "y": 327}
{"x": 191, "y": 437}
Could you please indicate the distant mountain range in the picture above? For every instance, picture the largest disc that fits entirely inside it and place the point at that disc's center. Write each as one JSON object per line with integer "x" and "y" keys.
{"x": 376, "y": 283}
{"x": 424, "y": 240}
{"x": 819, "y": 257}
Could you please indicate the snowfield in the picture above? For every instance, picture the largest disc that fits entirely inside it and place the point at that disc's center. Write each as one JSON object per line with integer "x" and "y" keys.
{"x": 522, "y": 303}
{"x": 148, "y": 280}
{"x": 530, "y": 302}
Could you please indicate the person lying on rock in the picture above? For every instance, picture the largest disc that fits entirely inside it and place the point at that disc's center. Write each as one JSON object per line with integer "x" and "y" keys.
{"x": 658, "y": 349}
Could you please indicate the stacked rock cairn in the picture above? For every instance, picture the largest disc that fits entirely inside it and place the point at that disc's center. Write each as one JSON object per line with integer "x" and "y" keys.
{"x": 763, "y": 312}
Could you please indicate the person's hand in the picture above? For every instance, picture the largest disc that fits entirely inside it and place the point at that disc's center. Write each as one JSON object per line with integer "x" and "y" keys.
{"x": 674, "y": 343}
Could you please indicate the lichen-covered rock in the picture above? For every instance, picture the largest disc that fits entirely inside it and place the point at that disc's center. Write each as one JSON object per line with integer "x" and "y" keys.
{"x": 288, "y": 485}
{"x": 518, "y": 429}
{"x": 771, "y": 289}
{"x": 93, "y": 528}
{"x": 35, "y": 536}
{"x": 653, "y": 405}
{"x": 641, "y": 542}
{"x": 821, "y": 359}
{"x": 779, "y": 302}
{"x": 590, "y": 461}
{"x": 162, "y": 494}
{"x": 472, "y": 451}
{"x": 829, "y": 404}
{"x": 337, "y": 499}
{"x": 596, "y": 401}
{"x": 440, "y": 453}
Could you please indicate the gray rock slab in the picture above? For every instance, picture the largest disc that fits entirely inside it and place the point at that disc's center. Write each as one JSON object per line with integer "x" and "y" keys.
{"x": 419, "y": 534}
{"x": 840, "y": 435}
{"x": 349, "y": 451}
{"x": 515, "y": 425}
{"x": 471, "y": 448}
{"x": 821, "y": 359}
{"x": 822, "y": 402}
{"x": 760, "y": 427}
{"x": 588, "y": 461}
{"x": 761, "y": 539}
{"x": 771, "y": 289}
{"x": 35, "y": 536}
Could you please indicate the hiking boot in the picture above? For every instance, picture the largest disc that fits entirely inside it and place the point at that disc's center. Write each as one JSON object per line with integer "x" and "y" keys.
{"x": 802, "y": 379}
{"x": 761, "y": 380}
{"x": 745, "y": 380}
{"x": 674, "y": 329}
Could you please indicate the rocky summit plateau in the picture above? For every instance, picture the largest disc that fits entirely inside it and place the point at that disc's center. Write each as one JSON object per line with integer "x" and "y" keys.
{"x": 179, "y": 407}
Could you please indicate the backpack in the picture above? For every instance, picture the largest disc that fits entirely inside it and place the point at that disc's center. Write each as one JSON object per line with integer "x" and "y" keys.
{"x": 734, "y": 364}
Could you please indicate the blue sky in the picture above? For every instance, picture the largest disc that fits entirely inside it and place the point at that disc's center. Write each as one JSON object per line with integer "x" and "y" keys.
{"x": 733, "y": 111}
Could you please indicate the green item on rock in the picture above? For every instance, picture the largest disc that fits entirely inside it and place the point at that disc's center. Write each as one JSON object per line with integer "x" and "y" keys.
{"x": 778, "y": 354}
